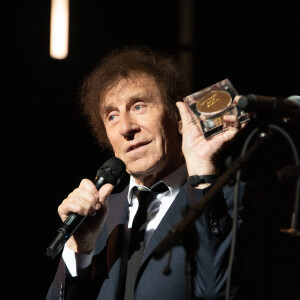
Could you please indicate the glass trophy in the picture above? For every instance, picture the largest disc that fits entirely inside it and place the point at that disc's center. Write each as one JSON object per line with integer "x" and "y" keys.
{"x": 210, "y": 104}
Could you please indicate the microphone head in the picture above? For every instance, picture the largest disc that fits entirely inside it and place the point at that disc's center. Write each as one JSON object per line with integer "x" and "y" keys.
{"x": 112, "y": 170}
{"x": 247, "y": 103}
{"x": 295, "y": 99}
{"x": 258, "y": 103}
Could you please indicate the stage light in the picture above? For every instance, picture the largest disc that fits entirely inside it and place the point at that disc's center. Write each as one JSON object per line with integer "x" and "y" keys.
{"x": 59, "y": 29}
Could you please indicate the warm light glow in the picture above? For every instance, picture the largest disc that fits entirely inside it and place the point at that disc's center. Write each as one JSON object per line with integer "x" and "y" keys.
{"x": 59, "y": 29}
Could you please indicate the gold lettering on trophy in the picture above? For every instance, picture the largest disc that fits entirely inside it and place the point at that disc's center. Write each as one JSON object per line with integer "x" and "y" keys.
{"x": 214, "y": 101}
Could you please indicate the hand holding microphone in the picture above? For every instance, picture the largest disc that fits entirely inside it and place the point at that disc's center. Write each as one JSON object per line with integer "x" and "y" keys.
{"x": 81, "y": 232}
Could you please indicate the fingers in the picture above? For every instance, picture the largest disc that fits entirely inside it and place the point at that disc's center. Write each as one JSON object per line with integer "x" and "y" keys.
{"x": 235, "y": 123}
{"x": 236, "y": 99}
{"x": 85, "y": 200}
{"x": 231, "y": 121}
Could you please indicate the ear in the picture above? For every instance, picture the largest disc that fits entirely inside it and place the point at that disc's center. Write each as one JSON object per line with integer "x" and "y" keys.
{"x": 179, "y": 126}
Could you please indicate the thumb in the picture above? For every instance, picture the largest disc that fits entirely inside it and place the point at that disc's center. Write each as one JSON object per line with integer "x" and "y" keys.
{"x": 104, "y": 192}
{"x": 188, "y": 122}
{"x": 185, "y": 115}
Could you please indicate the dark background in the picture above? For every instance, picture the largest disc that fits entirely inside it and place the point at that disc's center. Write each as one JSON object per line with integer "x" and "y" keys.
{"x": 47, "y": 145}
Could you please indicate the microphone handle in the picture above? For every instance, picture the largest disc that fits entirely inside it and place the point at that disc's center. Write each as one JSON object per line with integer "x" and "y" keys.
{"x": 69, "y": 226}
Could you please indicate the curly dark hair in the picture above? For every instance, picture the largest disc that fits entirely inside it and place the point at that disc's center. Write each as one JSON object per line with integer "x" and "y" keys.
{"x": 123, "y": 63}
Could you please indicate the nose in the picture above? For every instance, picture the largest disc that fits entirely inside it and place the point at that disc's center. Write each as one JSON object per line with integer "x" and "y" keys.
{"x": 128, "y": 125}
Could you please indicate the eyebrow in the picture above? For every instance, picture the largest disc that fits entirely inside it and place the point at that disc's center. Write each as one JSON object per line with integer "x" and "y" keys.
{"x": 105, "y": 109}
{"x": 138, "y": 96}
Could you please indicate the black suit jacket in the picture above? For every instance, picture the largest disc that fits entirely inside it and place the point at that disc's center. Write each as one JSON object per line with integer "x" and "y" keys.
{"x": 208, "y": 242}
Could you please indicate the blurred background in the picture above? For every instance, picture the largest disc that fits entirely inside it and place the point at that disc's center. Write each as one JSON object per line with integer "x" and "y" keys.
{"x": 48, "y": 147}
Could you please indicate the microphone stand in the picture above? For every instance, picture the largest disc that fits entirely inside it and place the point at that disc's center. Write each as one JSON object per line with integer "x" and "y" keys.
{"x": 179, "y": 233}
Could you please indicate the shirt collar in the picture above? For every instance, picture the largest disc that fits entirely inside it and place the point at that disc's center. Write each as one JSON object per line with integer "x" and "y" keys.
{"x": 174, "y": 181}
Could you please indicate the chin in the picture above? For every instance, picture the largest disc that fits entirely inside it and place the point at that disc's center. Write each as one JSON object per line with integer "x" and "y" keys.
{"x": 144, "y": 167}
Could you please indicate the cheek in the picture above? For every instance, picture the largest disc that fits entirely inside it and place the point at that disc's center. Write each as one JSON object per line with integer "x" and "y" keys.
{"x": 115, "y": 143}
{"x": 171, "y": 141}
{"x": 117, "y": 150}
{"x": 162, "y": 142}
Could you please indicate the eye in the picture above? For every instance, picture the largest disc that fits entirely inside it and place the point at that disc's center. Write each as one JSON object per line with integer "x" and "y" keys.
{"x": 111, "y": 117}
{"x": 139, "y": 106}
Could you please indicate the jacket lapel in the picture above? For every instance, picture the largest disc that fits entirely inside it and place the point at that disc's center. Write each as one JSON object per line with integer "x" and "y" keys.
{"x": 118, "y": 209}
{"x": 116, "y": 226}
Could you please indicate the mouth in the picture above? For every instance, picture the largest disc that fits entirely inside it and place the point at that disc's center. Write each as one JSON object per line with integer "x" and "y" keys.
{"x": 136, "y": 146}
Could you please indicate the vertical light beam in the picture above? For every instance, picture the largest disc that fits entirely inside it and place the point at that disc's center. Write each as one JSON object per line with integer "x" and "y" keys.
{"x": 59, "y": 29}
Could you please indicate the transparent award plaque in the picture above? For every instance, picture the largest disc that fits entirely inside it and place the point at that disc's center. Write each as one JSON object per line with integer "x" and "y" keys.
{"x": 210, "y": 104}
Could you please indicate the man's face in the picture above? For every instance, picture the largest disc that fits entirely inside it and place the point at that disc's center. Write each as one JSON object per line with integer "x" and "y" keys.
{"x": 139, "y": 130}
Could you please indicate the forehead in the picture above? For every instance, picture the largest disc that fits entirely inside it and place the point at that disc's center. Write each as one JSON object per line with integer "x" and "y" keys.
{"x": 133, "y": 86}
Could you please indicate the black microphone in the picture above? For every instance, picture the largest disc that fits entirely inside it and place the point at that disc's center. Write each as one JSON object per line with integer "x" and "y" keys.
{"x": 265, "y": 104}
{"x": 111, "y": 172}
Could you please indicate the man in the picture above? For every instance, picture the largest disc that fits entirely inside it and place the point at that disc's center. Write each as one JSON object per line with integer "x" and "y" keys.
{"x": 132, "y": 100}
